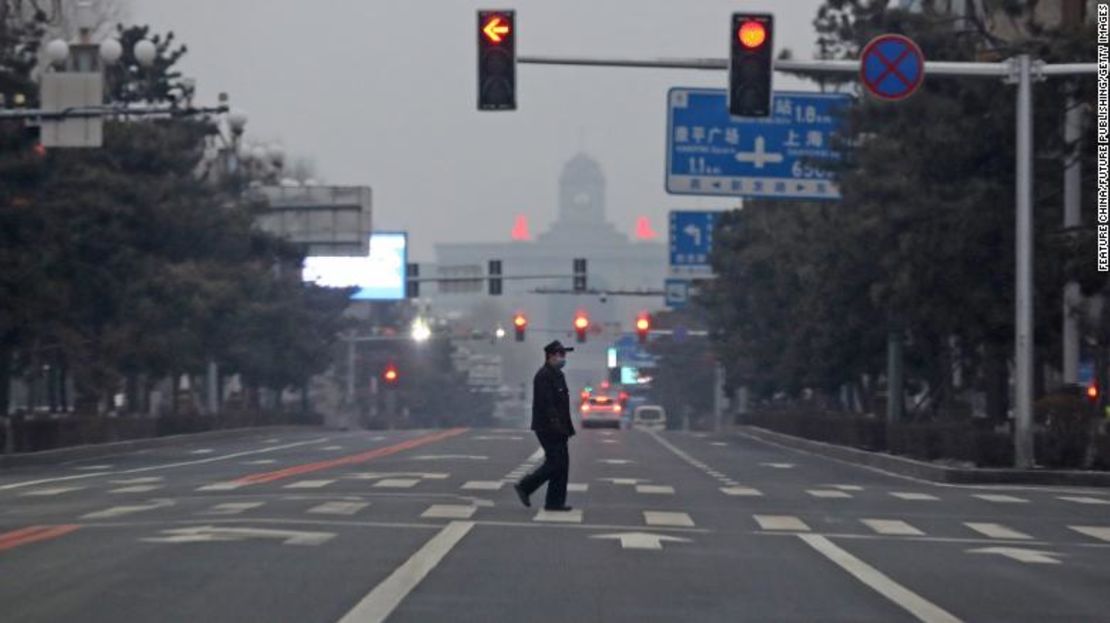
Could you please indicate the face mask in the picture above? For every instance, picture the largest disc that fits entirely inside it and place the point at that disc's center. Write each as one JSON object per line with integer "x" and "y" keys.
{"x": 559, "y": 363}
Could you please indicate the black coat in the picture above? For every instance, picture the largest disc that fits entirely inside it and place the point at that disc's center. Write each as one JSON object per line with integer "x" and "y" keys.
{"x": 551, "y": 403}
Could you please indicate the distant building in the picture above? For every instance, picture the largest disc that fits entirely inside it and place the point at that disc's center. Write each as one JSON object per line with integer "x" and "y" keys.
{"x": 581, "y": 230}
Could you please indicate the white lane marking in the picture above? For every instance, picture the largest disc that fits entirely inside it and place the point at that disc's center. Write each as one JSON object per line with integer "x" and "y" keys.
{"x": 746, "y": 491}
{"x": 780, "y": 522}
{"x": 450, "y": 457}
{"x": 996, "y": 531}
{"x": 718, "y": 443}
{"x": 221, "y": 486}
{"x": 232, "y": 508}
{"x": 208, "y": 534}
{"x": 641, "y": 540}
{"x": 624, "y": 481}
{"x": 332, "y": 448}
{"x": 892, "y": 527}
{"x": 917, "y": 497}
{"x": 397, "y": 483}
{"x": 377, "y": 438}
{"x": 1031, "y": 556}
{"x": 338, "y": 508}
{"x": 999, "y": 499}
{"x": 136, "y": 489}
{"x": 449, "y": 511}
{"x": 138, "y": 481}
{"x": 52, "y": 491}
{"x": 609, "y": 441}
{"x": 578, "y": 487}
{"x": 909, "y": 601}
{"x": 308, "y": 484}
{"x": 828, "y": 493}
{"x": 615, "y": 461}
{"x": 571, "y": 516}
{"x": 272, "y": 440}
{"x": 483, "y": 485}
{"x": 118, "y": 511}
{"x": 496, "y": 438}
{"x": 139, "y": 470}
{"x": 1099, "y": 532}
{"x": 203, "y": 451}
{"x": 1083, "y": 499}
{"x": 846, "y": 487}
{"x": 377, "y": 475}
{"x": 260, "y": 462}
{"x": 535, "y": 456}
{"x": 656, "y": 489}
{"x": 668, "y": 518}
{"x": 379, "y": 603}
{"x": 93, "y": 467}
{"x": 778, "y": 465}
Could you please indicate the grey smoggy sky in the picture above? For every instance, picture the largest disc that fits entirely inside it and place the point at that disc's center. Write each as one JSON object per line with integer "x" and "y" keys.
{"x": 382, "y": 93}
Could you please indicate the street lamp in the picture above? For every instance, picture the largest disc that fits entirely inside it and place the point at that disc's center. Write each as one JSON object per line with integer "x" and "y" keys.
{"x": 421, "y": 332}
{"x": 145, "y": 52}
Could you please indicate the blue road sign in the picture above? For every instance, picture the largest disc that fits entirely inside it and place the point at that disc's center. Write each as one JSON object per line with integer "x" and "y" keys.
{"x": 1086, "y": 372}
{"x": 691, "y": 239}
{"x": 676, "y": 292}
{"x": 712, "y": 153}
{"x": 891, "y": 67}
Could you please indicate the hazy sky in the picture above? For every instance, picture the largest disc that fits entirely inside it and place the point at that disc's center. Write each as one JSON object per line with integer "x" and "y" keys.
{"x": 382, "y": 93}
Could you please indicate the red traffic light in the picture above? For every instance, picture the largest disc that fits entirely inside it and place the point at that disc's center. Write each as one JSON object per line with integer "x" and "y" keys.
{"x": 390, "y": 375}
{"x": 496, "y": 28}
{"x": 519, "y": 321}
{"x": 752, "y": 34}
{"x": 643, "y": 323}
{"x": 1092, "y": 392}
{"x": 581, "y": 322}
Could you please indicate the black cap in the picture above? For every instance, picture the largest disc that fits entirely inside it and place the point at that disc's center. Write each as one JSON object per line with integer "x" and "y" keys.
{"x": 556, "y": 347}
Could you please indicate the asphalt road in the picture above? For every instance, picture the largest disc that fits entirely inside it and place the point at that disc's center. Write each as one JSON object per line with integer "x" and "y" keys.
{"x": 407, "y": 526}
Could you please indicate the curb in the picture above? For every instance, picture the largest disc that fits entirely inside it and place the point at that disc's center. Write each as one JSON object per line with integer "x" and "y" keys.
{"x": 930, "y": 471}
{"x": 46, "y": 457}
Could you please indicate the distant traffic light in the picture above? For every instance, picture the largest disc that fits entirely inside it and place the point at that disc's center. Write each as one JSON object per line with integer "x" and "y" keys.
{"x": 579, "y": 274}
{"x": 412, "y": 287}
{"x": 495, "y": 277}
{"x": 750, "y": 65}
{"x": 520, "y": 323}
{"x": 643, "y": 325}
{"x": 1092, "y": 393}
{"x": 496, "y": 60}
{"x": 581, "y": 324}
{"x": 390, "y": 375}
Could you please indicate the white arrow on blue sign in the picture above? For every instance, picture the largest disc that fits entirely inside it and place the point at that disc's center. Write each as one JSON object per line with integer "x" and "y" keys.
{"x": 712, "y": 153}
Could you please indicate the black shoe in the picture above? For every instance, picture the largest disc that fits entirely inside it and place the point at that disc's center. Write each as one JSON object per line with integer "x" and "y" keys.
{"x": 561, "y": 509}
{"x": 521, "y": 494}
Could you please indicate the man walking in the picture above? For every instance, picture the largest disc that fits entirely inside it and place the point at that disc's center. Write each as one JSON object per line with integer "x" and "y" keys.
{"x": 551, "y": 421}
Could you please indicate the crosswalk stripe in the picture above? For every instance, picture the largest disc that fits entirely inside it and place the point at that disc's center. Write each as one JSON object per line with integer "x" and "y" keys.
{"x": 449, "y": 511}
{"x": 892, "y": 527}
{"x": 397, "y": 483}
{"x": 921, "y": 497}
{"x": 136, "y": 489}
{"x": 308, "y": 484}
{"x": 221, "y": 486}
{"x": 1101, "y": 533}
{"x": 1084, "y": 500}
{"x": 232, "y": 508}
{"x": 846, "y": 487}
{"x": 656, "y": 489}
{"x": 998, "y": 498}
{"x": 260, "y": 462}
{"x": 138, "y": 481}
{"x": 746, "y": 491}
{"x": 578, "y": 487}
{"x": 483, "y": 485}
{"x": 828, "y": 493}
{"x": 781, "y": 522}
{"x": 997, "y": 531}
{"x": 668, "y": 518}
{"x": 571, "y": 516}
{"x": 339, "y": 508}
{"x": 51, "y": 491}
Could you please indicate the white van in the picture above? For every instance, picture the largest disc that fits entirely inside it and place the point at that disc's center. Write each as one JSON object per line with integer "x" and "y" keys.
{"x": 651, "y": 417}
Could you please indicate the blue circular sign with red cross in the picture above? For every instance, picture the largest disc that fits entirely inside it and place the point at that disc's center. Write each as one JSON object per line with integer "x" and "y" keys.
{"x": 891, "y": 67}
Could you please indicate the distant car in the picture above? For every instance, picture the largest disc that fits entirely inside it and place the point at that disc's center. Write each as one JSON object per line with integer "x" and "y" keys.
{"x": 601, "y": 410}
{"x": 651, "y": 417}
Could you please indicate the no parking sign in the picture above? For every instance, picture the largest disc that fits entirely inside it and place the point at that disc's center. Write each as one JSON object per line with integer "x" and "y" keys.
{"x": 891, "y": 67}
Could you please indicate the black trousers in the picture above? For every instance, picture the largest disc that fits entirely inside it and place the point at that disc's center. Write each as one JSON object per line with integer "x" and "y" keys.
{"x": 554, "y": 471}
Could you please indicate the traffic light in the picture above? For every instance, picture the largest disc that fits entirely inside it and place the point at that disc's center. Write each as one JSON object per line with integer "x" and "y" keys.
{"x": 412, "y": 288}
{"x": 495, "y": 277}
{"x": 390, "y": 375}
{"x": 579, "y": 274}
{"x": 750, "y": 64}
{"x": 520, "y": 323}
{"x": 496, "y": 60}
{"x": 581, "y": 324}
{"x": 643, "y": 325}
{"x": 1092, "y": 393}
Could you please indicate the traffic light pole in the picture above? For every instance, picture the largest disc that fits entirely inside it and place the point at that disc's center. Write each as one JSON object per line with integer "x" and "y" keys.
{"x": 1021, "y": 70}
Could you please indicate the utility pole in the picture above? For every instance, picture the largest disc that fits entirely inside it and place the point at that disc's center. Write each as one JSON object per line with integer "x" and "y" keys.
{"x": 1073, "y": 120}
